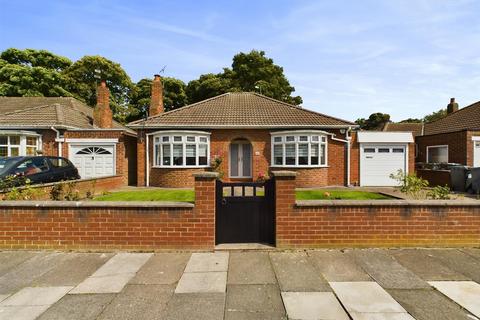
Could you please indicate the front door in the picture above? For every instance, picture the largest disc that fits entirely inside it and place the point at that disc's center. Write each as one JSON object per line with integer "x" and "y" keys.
{"x": 241, "y": 160}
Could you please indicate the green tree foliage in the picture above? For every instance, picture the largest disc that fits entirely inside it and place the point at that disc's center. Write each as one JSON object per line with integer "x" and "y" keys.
{"x": 375, "y": 121}
{"x": 252, "y": 72}
{"x": 411, "y": 120}
{"x": 33, "y": 73}
{"x": 436, "y": 115}
{"x": 174, "y": 96}
{"x": 85, "y": 74}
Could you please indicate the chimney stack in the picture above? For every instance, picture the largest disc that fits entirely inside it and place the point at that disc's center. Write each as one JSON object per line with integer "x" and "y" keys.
{"x": 102, "y": 114}
{"x": 452, "y": 106}
{"x": 156, "y": 102}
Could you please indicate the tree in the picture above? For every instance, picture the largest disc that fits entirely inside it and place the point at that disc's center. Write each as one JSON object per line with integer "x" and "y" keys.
{"x": 85, "y": 74}
{"x": 174, "y": 96}
{"x": 436, "y": 115}
{"x": 374, "y": 122}
{"x": 252, "y": 72}
{"x": 411, "y": 120}
{"x": 33, "y": 73}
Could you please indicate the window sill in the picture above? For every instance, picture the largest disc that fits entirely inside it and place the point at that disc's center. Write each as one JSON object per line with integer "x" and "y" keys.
{"x": 180, "y": 167}
{"x": 300, "y": 166}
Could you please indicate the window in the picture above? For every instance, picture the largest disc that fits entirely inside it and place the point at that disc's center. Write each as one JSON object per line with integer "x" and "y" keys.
{"x": 181, "y": 149}
{"x": 18, "y": 145}
{"x": 369, "y": 150}
{"x": 383, "y": 150}
{"x": 437, "y": 154}
{"x": 302, "y": 149}
{"x": 59, "y": 162}
{"x": 398, "y": 150}
{"x": 32, "y": 166}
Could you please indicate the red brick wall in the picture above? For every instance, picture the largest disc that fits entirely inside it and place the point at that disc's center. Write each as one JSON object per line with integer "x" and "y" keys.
{"x": 173, "y": 178}
{"x": 101, "y": 226}
{"x": 456, "y": 141}
{"x": 377, "y": 224}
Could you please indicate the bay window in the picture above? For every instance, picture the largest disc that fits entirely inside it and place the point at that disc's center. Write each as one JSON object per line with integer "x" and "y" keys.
{"x": 181, "y": 149}
{"x": 18, "y": 143}
{"x": 299, "y": 149}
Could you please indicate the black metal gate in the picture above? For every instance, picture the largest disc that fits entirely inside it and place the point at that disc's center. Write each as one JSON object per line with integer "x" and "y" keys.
{"x": 245, "y": 212}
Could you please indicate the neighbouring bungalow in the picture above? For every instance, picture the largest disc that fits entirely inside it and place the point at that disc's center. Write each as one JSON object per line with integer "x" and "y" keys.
{"x": 66, "y": 127}
{"x": 249, "y": 135}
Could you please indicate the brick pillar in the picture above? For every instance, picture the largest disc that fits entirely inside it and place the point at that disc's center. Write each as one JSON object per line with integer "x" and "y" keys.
{"x": 284, "y": 203}
{"x": 205, "y": 207}
{"x": 141, "y": 158}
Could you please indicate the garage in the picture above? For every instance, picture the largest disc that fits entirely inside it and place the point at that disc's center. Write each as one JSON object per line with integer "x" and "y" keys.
{"x": 381, "y": 154}
{"x": 93, "y": 161}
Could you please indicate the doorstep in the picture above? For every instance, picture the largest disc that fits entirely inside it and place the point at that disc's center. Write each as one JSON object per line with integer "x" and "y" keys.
{"x": 243, "y": 246}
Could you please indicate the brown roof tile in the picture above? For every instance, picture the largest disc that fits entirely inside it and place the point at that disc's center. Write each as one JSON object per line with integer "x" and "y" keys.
{"x": 39, "y": 112}
{"x": 467, "y": 118}
{"x": 414, "y": 127}
{"x": 241, "y": 109}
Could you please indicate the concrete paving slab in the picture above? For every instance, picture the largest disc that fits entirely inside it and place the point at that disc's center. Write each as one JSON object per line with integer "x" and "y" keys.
{"x": 423, "y": 264}
{"x": 338, "y": 266}
{"x": 78, "y": 307}
{"x": 196, "y": 282}
{"x": 146, "y": 300}
{"x": 198, "y": 306}
{"x": 245, "y": 315}
{"x": 287, "y": 265}
{"x": 11, "y": 259}
{"x": 250, "y": 268}
{"x": 123, "y": 263}
{"x": 162, "y": 268}
{"x": 458, "y": 261}
{"x": 70, "y": 272}
{"x": 105, "y": 284}
{"x": 381, "y": 316}
{"x": 472, "y": 252}
{"x": 21, "y": 312}
{"x": 23, "y": 274}
{"x": 208, "y": 262}
{"x": 3, "y": 297}
{"x": 465, "y": 293}
{"x": 429, "y": 305}
{"x": 313, "y": 306}
{"x": 254, "y": 299}
{"x": 38, "y": 296}
{"x": 365, "y": 297}
{"x": 386, "y": 271}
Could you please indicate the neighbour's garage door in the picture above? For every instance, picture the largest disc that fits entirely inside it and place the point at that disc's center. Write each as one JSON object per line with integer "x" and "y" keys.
{"x": 377, "y": 162}
{"x": 93, "y": 161}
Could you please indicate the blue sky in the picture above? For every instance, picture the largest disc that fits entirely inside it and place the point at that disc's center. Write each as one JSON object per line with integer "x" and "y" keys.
{"x": 345, "y": 58}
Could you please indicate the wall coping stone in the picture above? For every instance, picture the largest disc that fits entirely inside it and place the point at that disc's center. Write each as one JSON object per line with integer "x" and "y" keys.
{"x": 206, "y": 174}
{"x": 284, "y": 173}
{"x": 95, "y": 204}
{"x": 386, "y": 203}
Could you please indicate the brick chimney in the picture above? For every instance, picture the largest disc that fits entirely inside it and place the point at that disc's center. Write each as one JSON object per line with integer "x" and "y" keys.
{"x": 156, "y": 102}
{"x": 452, "y": 106}
{"x": 102, "y": 114}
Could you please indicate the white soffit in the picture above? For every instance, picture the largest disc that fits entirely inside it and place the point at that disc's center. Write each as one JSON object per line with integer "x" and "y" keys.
{"x": 384, "y": 137}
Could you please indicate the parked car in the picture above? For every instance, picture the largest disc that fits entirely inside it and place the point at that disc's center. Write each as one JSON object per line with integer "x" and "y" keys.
{"x": 39, "y": 169}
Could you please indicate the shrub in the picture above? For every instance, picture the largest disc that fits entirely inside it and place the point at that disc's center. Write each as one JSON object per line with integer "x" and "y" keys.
{"x": 410, "y": 184}
{"x": 25, "y": 192}
{"x": 215, "y": 166}
{"x": 440, "y": 193}
{"x": 56, "y": 193}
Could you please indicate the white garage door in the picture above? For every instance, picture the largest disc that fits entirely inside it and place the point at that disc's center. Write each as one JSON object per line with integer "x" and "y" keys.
{"x": 93, "y": 161}
{"x": 377, "y": 162}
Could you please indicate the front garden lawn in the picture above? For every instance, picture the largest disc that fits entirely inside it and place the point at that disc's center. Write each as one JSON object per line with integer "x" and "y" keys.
{"x": 178, "y": 195}
{"x": 322, "y": 194}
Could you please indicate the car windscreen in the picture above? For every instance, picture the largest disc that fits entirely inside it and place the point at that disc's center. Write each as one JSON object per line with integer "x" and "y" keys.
{"x": 7, "y": 163}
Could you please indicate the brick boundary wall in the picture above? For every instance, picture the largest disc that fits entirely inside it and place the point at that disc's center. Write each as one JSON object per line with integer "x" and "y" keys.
{"x": 113, "y": 225}
{"x": 96, "y": 185}
{"x": 380, "y": 223}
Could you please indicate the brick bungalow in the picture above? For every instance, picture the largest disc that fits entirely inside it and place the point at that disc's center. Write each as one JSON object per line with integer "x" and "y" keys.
{"x": 250, "y": 135}
{"x": 452, "y": 139}
{"x": 66, "y": 127}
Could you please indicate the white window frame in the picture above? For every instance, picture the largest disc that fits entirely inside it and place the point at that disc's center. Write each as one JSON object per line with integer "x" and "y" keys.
{"x": 296, "y": 142}
{"x": 158, "y": 143}
{"x": 437, "y": 146}
{"x": 23, "y": 141}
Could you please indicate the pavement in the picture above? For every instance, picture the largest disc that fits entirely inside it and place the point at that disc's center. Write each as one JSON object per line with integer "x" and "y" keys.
{"x": 374, "y": 284}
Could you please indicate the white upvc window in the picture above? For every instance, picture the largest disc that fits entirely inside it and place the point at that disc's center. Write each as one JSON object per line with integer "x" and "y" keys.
{"x": 181, "y": 149}
{"x": 437, "y": 154}
{"x": 13, "y": 144}
{"x": 299, "y": 149}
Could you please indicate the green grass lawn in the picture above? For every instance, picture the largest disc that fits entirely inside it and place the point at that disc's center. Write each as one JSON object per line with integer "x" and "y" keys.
{"x": 150, "y": 195}
{"x": 321, "y": 194}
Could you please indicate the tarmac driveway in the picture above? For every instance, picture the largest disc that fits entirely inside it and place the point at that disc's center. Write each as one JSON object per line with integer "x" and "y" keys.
{"x": 319, "y": 284}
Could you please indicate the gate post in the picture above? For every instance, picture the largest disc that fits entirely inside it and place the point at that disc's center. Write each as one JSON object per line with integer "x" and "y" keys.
{"x": 205, "y": 205}
{"x": 284, "y": 203}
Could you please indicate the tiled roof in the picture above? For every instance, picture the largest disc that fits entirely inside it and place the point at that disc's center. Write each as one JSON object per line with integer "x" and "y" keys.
{"x": 467, "y": 118}
{"x": 241, "y": 109}
{"x": 414, "y": 127}
{"x": 40, "y": 112}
